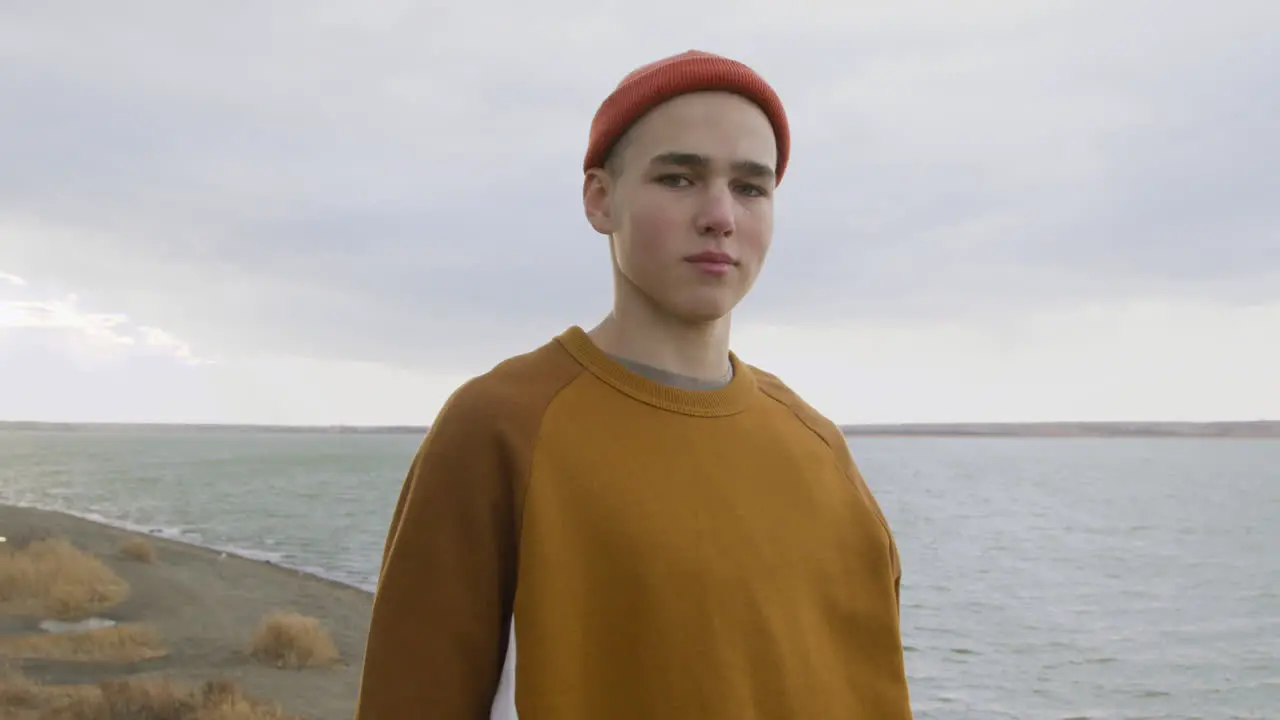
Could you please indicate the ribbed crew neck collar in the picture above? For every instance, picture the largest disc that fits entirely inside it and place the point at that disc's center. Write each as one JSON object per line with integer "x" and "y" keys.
{"x": 730, "y": 399}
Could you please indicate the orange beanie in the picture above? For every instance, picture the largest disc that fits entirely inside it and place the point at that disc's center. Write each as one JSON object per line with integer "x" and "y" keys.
{"x": 651, "y": 85}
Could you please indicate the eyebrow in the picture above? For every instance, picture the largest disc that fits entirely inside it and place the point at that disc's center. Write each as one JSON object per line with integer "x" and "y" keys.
{"x": 746, "y": 168}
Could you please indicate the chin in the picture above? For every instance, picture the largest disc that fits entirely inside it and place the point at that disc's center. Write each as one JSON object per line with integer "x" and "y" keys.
{"x": 700, "y": 318}
{"x": 705, "y": 311}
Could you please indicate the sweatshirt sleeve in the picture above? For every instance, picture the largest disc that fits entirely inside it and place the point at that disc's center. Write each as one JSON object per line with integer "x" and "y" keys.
{"x": 438, "y": 633}
{"x": 851, "y": 468}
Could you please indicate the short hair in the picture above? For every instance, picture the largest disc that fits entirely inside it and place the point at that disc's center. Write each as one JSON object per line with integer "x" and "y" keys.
{"x": 612, "y": 163}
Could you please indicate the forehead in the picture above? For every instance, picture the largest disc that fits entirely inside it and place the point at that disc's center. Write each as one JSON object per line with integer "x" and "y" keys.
{"x": 719, "y": 125}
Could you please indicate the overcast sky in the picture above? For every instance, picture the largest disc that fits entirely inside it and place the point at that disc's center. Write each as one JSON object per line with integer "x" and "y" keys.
{"x": 334, "y": 212}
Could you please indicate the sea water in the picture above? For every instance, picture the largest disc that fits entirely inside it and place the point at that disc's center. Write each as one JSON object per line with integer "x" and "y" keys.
{"x": 1043, "y": 578}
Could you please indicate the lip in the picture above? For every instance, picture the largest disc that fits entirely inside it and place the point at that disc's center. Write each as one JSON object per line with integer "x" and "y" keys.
{"x": 711, "y": 258}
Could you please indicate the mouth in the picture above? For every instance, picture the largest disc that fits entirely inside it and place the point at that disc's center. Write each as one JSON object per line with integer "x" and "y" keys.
{"x": 715, "y": 264}
{"x": 711, "y": 258}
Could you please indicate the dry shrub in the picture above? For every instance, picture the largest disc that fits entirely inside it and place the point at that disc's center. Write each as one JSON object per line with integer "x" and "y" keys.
{"x": 139, "y": 549}
{"x": 22, "y": 699}
{"x": 154, "y": 698}
{"x": 142, "y": 698}
{"x": 122, "y": 643}
{"x": 16, "y": 691}
{"x": 54, "y": 578}
{"x": 291, "y": 640}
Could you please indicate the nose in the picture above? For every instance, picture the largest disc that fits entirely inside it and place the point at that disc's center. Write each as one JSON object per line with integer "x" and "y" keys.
{"x": 715, "y": 216}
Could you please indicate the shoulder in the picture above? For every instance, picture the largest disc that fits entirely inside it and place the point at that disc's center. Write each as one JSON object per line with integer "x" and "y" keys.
{"x": 481, "y": 441}
{"x": 774, "y": 388}
{"x": 833, "y": 436}
{"x": 510, "y": 397}
{"x": 830, "y": 433}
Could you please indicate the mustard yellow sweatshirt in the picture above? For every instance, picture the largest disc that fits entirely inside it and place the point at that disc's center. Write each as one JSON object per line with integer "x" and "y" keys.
{"x": 575, "y": 541}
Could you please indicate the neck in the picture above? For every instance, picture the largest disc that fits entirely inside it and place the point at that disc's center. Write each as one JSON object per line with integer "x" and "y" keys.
{"x": 696, "y": 350}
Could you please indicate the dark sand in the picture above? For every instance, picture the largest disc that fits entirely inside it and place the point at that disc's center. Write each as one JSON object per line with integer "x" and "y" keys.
{"x": 207, "y": 606}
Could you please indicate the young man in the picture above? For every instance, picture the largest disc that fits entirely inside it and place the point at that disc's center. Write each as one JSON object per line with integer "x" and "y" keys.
{"x": 631, "y": 522}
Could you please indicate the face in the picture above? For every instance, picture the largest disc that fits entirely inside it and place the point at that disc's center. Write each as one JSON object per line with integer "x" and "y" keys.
{"x": 688, "y": 203}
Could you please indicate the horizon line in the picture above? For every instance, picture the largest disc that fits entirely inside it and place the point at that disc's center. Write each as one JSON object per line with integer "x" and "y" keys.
{"x": 1241, "y": 429}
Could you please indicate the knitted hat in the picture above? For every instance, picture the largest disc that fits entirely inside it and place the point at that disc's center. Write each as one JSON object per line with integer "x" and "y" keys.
{"x": 651, "y": 85}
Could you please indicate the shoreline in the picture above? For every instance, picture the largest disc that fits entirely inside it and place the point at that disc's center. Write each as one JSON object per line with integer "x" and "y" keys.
{"x": 161, "y": 535}
{"x": 207, "y": 604}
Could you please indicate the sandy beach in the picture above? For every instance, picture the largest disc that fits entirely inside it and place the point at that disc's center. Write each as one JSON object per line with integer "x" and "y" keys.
{"x": 199, "y": 610}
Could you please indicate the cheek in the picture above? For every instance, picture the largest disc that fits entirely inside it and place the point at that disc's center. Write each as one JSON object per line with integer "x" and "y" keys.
{"x": 755, "y": 235}
{"x": 654, "y": 236}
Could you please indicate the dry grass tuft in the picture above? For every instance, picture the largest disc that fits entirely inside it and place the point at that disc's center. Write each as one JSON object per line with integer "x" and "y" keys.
{"x": 53, "y": 578}
{"x": 291, "y": 640}
{"x": 22, "y": 699}
{"x": 121, "y": 644}
{"x": 16, "y": 691}
{"x": 138, "y": 549}
{"x": 162, "y": 699}
{"x": 154, "y": 698}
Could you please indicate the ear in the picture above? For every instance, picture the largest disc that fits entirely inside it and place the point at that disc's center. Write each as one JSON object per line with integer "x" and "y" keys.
{"x": 597, "y": 194}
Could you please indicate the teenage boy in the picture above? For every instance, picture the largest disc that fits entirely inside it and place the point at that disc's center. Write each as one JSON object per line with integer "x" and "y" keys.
{"x": 632, "y": 522}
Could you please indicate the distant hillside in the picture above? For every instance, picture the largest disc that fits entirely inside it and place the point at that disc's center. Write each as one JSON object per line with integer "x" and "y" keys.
{"x": 214, "y": 427}
{"x": 1254, "y": 429}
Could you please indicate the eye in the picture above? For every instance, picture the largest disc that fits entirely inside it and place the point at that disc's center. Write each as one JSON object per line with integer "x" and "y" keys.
{"x": 752, "y": 190}
{"x": 672, "y": 180}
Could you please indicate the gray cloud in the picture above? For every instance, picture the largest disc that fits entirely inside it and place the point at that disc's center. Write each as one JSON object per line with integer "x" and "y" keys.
{"x": 353, "y": 182}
